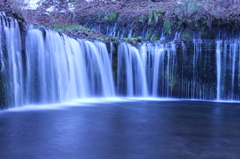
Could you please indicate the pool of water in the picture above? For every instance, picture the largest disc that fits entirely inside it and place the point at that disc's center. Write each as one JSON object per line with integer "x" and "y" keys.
{"x": 123, "y": 130}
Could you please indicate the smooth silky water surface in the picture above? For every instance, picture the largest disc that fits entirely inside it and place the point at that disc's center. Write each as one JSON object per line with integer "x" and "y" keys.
{"x": 123, "y": 130}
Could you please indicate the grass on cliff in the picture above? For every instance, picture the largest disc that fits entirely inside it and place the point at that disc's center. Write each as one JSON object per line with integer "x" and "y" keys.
{"x": 80, "y": 31}
{"x": 84, "y": 32}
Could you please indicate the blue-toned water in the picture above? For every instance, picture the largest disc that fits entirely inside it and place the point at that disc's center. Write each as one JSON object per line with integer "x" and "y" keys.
{"x": 130, "y": 129}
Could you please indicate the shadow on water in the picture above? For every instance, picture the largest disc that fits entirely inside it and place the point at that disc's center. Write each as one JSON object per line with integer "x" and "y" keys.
{"x": 131, "y": 130}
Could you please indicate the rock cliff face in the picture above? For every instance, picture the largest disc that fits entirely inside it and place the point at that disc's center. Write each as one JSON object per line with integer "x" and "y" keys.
{"x": 149, "y": 27}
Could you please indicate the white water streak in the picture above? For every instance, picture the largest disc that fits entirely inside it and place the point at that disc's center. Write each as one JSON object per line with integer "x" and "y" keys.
{"x": 218, "y": 64}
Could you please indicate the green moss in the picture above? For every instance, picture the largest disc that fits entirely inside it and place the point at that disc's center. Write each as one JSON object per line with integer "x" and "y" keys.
{"x": 148, "y": 36}
{"x": 110, "y": 17}
{"x": 157, "y": 14}
{"x": 167, "y": 26}
{"x": 37, "y": 24}
{"x": 186, "y": 36}
{"x": 69, "y": 27}
{"x": 141, "y": 19}
{"x": 155, "y": 38}
{"x": 133, "y": 40}
{"x": 150, "y": 17}
{"x": 100, "y": 39}
{"x": 114, "y": 38}
{"x": 154, "y": 16}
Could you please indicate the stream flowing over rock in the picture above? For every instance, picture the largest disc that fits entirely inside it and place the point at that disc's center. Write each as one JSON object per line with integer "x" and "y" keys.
{"x": 52, "y": 67}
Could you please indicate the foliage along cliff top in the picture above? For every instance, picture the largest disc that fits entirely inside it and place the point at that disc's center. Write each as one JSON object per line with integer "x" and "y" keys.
{"x": 64, "y": 15}
{"x": 62, "y": 12}
{"x": 169, "y": 9}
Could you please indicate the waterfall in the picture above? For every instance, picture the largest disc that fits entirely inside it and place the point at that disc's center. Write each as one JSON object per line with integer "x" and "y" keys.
{"x": 157, "y": 68}
{"x": 147, "y": 71}
{"x": 11, "y": 75}
{"x": 131, "y": 75}
{"x": 218, "y": 63}
{"x": 60, "y": 68}
{"x": 52, "y": 67}
{"x": 198, "y": 70}
{"x": 228, "y": 69}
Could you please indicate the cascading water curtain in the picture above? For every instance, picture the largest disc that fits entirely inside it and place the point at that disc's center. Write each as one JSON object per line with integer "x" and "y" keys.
{"x": 56, "y": 68}
{"x": 159, "y": 60}
{"x": 60, "y": 68}
{"x": 53, "y": 68}
{"x": 131, "y": 77}
{"x": 169, "y": 70}
{"x": 178, "y": 71}
{"x": 201, "y": 70}
{"x": 228, "y": 69}
{"x": 11, "y": 75}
